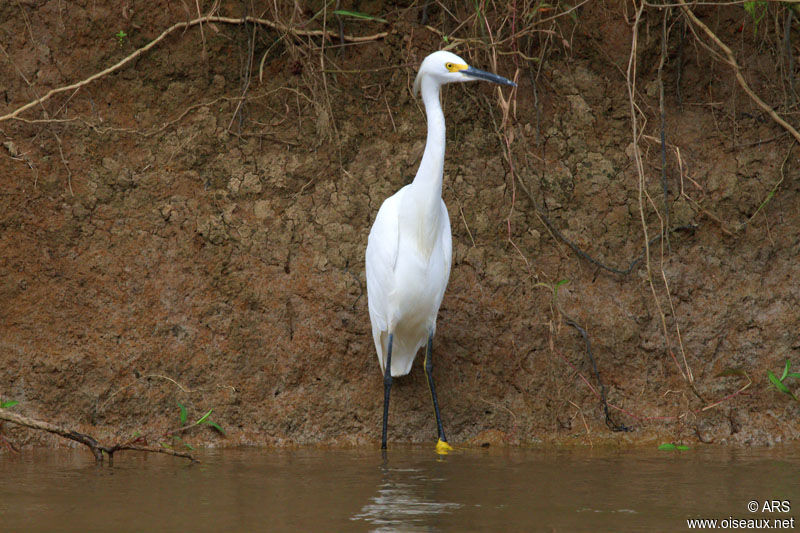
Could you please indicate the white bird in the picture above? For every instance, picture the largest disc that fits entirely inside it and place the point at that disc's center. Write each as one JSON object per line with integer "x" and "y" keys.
{"x": 410, "y": 247}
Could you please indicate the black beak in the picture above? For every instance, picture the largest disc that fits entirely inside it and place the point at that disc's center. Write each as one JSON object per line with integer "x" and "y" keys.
{"x": 476, "y": 74}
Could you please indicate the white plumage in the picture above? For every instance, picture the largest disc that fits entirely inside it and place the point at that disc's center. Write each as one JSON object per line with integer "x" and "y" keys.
{"x": 408, "y": 265}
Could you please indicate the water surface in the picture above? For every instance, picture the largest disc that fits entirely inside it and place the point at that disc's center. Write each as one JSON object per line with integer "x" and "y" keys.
{"x": 411, "y": 489}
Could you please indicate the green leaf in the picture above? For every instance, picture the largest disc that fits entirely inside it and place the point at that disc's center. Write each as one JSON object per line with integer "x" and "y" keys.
{"x": 215, "y": 426}
{"x": 795, "y": 375}
{"x": 6, "y": 405}
{"x": 668, "y": 446}
{"x": 557, "y": 285}
{"x": 204, "y": 417}
{"x": 358, "y": 15}
{"x": 778, "y": 383}
{"x": 183, "y": 414}
{"x": 786, "y": 369}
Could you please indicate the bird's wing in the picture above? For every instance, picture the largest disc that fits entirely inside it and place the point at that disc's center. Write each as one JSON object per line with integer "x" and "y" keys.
{"x": 381, "y": 257}
{"x": 447, "y": 246}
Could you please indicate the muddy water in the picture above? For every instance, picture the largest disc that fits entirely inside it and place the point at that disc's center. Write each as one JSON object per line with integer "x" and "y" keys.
{"x": 410, "y": 490}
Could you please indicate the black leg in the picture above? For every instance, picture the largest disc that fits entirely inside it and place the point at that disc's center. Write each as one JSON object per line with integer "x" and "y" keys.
{"x": 387, "y": 385}
{"x": 429, "y": 373}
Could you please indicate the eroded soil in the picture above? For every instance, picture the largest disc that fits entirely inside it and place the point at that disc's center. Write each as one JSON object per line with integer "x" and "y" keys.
{"x": 182, "y": 231}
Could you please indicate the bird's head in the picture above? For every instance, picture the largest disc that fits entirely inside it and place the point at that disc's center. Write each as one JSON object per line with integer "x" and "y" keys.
{"x": 445, "y": 67}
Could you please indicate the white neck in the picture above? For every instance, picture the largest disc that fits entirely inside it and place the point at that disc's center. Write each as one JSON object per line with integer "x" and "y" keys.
{"x": 428, "y": 180}
{"x": 422, "y": 203}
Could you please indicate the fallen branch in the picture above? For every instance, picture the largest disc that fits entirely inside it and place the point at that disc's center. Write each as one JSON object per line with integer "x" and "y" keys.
{"x": 183, "y": 25}
{"x": 136, "y": 444}
{"x": 731, "y": 60}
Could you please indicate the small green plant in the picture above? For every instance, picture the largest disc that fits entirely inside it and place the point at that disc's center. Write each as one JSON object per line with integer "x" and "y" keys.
{"x": 555, "y": 289}
{"x": 779, "y": 384}
{"x": 6, "y": 405}
{"x": 668, "y": 446}
{"x": 205, "y": 420}
{"x": 757, "y": 9}
{"x": 121, "y": 35}
{"x": 183, "y": 417}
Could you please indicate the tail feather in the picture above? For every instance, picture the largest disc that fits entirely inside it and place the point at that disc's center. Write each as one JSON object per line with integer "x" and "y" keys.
{"x": 403, "y": 352}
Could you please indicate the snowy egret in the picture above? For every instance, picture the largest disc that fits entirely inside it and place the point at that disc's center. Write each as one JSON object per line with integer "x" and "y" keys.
{"x": 410, "y": 246}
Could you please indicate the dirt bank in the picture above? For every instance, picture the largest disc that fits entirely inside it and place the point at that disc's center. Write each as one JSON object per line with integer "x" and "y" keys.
{"x": 191, "y": 227}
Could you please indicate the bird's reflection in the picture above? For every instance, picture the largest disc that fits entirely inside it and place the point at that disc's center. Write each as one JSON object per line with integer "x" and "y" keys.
{"x": 407, "y": 499}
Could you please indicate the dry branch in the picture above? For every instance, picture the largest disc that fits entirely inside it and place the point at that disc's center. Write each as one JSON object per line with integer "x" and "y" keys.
{"x": 56, "y": 430}
{"x": 183, "y": 25}
{"x": 137, "y": 444}
{"x": 731, "y": 60}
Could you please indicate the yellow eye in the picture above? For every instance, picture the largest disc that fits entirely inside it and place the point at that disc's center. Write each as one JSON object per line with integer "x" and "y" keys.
{"x": 449, "y": 66}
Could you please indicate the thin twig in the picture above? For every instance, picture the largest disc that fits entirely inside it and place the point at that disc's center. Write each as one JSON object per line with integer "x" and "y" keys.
{"x": 662, "y": 113}
{"x": 630, "y": 79}
{"x": 729, "y": 396}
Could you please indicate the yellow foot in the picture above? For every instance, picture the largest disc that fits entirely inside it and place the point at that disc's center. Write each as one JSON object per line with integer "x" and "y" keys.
{"x": 442, "y": 448}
